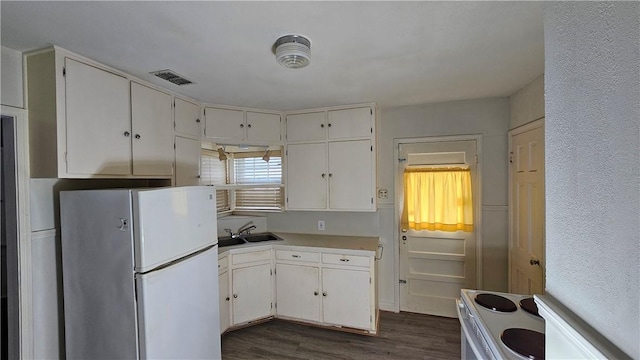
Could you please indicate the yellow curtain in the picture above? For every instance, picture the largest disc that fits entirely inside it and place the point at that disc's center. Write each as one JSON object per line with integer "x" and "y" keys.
{"x": 438, "y": 199}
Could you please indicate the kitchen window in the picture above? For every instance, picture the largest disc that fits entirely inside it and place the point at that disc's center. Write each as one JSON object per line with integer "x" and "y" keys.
{"x": 246, "y": 181}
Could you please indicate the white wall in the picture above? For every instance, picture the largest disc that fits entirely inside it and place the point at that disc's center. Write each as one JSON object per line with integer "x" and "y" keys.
{"x": 592, "y": 137}
{"x": 11, "y": 78}
{"x": 527, "y": 104}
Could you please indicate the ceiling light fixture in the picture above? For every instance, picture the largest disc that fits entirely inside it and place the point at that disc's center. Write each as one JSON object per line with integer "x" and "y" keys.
{"x": 293, "y": 51}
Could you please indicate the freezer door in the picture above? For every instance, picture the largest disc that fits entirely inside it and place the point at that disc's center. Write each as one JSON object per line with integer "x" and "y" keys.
{"x": 171, "y": 223}
{"x": 178, "y": 312}
{"x": 98, "y": 277}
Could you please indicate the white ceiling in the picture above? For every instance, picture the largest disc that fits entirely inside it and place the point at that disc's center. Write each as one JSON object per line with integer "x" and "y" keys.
{"x": 392, "y": 53}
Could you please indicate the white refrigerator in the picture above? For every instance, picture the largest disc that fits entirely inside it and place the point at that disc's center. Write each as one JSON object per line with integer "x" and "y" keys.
{"x": 140, "y": 273}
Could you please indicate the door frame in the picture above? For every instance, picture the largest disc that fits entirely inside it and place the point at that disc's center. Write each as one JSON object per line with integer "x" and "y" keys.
{"x": 25, "y": 299}
{"x": 513, "y": 132}
{"x": 398, "y": 211}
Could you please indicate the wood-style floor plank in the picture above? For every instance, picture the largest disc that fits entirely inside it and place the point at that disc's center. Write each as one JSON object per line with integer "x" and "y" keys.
{"x": 401, "y": 336}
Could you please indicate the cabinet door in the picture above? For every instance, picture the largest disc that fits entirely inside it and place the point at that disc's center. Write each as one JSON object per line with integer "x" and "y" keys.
{"x": 152, "y": 130}
{"x": 187, "y": 161}
{"x": 350, "y": 123}
{"x": 98, "y": 121}
{"x": 306, "y": 127}
{"x": 298, "y": 291}
{"x": 187, "y": 117}
{"x": 224, "y": 124}
{"x": 306, "y": 176}
{"x": 351, "y": 175}
{"x": 224, "y": 300}
{"x": 346, "y": 298}
{"x": 251, "y": 293}
{"x": 263, "y": 127}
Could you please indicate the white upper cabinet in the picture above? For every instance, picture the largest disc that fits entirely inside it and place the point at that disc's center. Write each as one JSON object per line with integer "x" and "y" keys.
{"x": 263, "y": 127}
{"x": 98, "y": 123}
{"x": 350, "y": 123}
{"x": 152, "y": 131}
{"x": 187, "y": 162}
{"x": 307, "y": 176}
{"x": 223, "y": 124}
{"x": 331, "y": 159}
{"x": 187, "y": 118}
{"x": 351, "y": 177}
{"x": 239, "y": 126}
{"x": 306, "y": 127}
{"x": 87, "y": 120}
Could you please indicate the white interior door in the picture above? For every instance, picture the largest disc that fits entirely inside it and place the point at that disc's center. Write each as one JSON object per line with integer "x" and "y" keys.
{"x": 435, "y": 265}
{"x": 526, "y": 238}
{"x": 178, "y": 313}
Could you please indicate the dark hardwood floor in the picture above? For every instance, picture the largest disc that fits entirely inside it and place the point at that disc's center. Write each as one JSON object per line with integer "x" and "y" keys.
{"x": 401, "y": 336}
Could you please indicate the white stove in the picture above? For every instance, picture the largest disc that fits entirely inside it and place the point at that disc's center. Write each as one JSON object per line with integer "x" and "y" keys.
{"x": 486, "y": 316}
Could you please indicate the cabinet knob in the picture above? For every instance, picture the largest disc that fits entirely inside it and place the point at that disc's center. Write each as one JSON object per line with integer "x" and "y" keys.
{"x": 197, "y": 120}
{"x": 227, "y": 298}
{"x": 126, "y": 134}
{"x": 329, "y": 124}
{"x": 344, "y": 260}
{"x": 324, "y": 293}
{"x": 249, "y": 126}
{"x": 295, "y": 256}
{"x": 241, "y": 126}
{"x": 235, "y": 296}
{"x": 324, "y": 175}
{"x": 330, "y": 175}
{"x": 315, "y": 293}
{"x": 322, "y": 125}
{"x": 137, "y": 136}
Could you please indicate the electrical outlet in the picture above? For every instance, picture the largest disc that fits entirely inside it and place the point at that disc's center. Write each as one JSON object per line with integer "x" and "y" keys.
{"x": 383, "y": 193}
{"x": 321, "y": 225}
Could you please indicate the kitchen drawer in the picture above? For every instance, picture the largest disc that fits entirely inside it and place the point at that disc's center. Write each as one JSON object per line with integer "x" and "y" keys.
{"x": 264, "y": 255}
{"x": 223, "y": 264}
{"x": 352, "y": 260}
{"x": 297, "y": 256}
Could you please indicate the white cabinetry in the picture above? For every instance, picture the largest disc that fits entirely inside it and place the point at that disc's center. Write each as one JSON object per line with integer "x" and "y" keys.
{"x": 251, "y": 284}
{"x": 337, "y": 291}
{"x": 187, "y": 118}
{"x": 236, "y": 125}
{"x": 187, "y": 161}
{"x": 331, "y": 160}
{"x": 151, "y": 131}
{"x": 224, "y": 298}
{"x": 84, "y": 117}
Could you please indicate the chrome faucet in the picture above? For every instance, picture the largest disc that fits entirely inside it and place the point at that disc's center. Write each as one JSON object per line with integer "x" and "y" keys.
{"x": 246, "y": 228}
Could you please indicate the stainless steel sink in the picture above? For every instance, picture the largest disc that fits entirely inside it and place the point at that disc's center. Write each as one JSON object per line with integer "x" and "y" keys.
{"x": 248, "y": 238}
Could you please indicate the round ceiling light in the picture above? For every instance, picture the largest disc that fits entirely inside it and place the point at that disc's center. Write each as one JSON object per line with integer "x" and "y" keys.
{"x": 293, "y": 51}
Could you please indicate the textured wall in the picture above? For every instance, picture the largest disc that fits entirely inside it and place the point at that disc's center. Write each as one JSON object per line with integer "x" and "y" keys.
{"x": 527, "y": 104}
{"x": 592, "y": 90}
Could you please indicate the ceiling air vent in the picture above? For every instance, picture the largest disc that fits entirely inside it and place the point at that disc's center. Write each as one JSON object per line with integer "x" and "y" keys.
{"x": 172, "y": 76}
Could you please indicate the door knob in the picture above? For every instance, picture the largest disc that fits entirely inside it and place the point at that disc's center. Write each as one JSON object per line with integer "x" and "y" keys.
{"x": 534, "y": 262}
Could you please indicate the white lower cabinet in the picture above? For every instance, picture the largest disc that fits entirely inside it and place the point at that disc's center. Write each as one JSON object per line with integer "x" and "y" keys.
{"x": 346, "y": 298}
{"x": 298, "y": 291}
{"x": 223, "y": 283}
{"x": 251, "y": 293}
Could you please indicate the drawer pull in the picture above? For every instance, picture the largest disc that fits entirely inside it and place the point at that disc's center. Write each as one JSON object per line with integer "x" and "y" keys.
{"x": 295, "y": 256}
{"x": 345, "y": 260}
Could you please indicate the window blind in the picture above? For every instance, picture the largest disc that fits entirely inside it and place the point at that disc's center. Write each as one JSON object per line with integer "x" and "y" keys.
{"x": 249, "y": 169}
{"x": 215, "y": 172}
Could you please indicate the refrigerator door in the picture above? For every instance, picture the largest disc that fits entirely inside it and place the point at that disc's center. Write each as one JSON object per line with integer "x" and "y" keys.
{"x": 171, "y": 223}
{"x": 178, "y": 312}
{"x": 98, "y": 277}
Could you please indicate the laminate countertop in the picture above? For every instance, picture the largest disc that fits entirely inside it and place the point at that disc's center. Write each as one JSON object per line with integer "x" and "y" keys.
{"x": 366, "y": 243}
